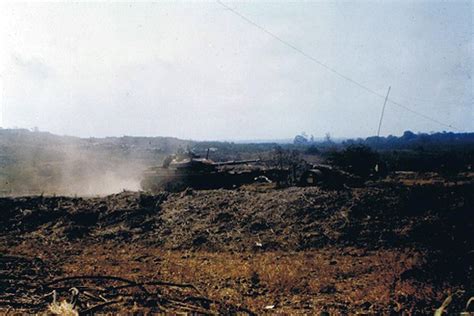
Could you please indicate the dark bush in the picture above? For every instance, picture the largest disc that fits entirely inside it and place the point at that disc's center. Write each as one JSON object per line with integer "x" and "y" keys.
{"x": 356, "y": 159}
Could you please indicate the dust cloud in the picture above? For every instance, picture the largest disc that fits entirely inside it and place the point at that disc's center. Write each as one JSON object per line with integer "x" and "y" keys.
{"x": 69, "y": 167}
{"x": 98, "y": 182}
{"x": 86, "y": 173}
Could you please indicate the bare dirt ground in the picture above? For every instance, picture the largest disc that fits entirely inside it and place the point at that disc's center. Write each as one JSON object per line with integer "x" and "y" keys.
{"x": 386, "y": 248}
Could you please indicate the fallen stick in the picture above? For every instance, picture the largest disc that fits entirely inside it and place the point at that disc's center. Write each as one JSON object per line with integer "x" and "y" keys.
{"x": 192, "y": 308}
{"x": 99, "y": 306}
{"x": 96, "y": 277}
{"x": 81, "y": 288}
{"x": 441, "y": 309}
{"x": 90, "y": 295}
{"x": 163, "y": 283}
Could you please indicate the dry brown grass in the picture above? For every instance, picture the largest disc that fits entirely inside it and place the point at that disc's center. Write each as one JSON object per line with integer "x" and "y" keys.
{"x": 63, "y": 308}
{"x": 343, "y": 280}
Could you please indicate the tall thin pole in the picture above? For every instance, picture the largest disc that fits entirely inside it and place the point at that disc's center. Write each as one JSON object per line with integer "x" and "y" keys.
{"x": 2, "y": 98}
{"x": 383, "y": 110}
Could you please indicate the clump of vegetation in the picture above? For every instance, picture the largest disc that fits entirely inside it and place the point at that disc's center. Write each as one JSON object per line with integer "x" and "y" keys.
{"x": 357, "y": 159}
{"x": 64, "y": 308}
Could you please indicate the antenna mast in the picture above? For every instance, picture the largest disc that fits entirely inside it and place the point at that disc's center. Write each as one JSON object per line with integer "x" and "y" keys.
{"x": 383, "y": 110}
{"x": 2, "y": 97}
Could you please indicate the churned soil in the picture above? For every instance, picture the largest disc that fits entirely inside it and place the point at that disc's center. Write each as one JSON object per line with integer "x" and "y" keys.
{"x": 387, "y": 247}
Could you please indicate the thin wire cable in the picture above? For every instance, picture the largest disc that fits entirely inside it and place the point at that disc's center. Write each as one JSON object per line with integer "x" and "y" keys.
{"x": 284, "y": 42}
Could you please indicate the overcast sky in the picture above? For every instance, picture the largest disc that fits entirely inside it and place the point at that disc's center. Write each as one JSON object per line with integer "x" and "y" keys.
{"x": 196, "y": 70}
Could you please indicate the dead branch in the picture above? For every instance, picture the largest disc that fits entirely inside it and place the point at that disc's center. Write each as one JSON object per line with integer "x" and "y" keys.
{"x": 96, "y": 277}
{"x": 163, "y": 283}
{"x": 191, "y": 308}
{"x": 99, "y": 306}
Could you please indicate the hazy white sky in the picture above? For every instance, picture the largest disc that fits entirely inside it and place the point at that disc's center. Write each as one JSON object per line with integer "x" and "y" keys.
{"x": 196, "y": 70}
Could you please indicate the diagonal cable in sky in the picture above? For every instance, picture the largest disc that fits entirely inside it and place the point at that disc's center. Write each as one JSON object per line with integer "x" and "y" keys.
{"x": 334, "y": 71}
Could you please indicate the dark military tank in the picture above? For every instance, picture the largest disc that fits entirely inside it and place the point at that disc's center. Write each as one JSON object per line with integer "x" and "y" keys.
{"x": 179, "y": 172}
{"x": 187, "y": 170}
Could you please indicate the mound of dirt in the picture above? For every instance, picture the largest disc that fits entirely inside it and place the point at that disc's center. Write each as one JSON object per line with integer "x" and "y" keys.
{"x": 252, "y": 218}
{"x": 433, "y": 220}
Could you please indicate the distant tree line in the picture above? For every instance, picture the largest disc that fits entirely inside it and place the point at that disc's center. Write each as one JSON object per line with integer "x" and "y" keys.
{"x": 420, "y": 141}
{"x": 443, "y": 152}
{"x": 408, "y": 140}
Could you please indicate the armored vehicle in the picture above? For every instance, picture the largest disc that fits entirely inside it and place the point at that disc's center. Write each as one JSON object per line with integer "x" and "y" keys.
{"x": 179, "y": 172}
